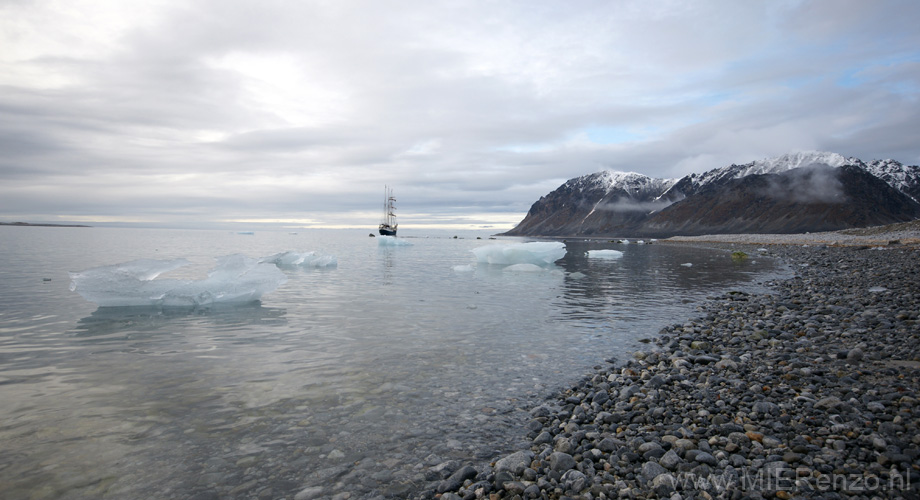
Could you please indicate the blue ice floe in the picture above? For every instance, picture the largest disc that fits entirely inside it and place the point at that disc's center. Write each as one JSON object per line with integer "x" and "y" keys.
{"x": 540, "y": 253}
{"x": 392, "y": 241}
{"x": 291, "y": 259}
{"x": 236, "y": 279}
{"x": 604, "y": 254}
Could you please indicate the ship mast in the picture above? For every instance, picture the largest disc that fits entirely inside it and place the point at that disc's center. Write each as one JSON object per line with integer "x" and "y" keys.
{"x": 389, "y": 212}
{"x": 390, "y": 207}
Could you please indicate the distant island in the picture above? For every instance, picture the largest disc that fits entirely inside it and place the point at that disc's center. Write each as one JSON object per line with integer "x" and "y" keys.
{"x": 40, "y": 225}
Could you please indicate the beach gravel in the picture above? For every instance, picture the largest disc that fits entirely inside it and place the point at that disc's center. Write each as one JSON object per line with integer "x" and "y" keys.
{"x": 810, "y": 391}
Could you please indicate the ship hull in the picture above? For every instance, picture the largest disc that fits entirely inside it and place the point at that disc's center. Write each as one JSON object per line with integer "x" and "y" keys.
{"x": 387, "y": 231}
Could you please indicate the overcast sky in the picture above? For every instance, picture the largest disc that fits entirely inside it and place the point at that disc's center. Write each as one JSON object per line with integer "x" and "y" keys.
{"x": 213, "y": 111}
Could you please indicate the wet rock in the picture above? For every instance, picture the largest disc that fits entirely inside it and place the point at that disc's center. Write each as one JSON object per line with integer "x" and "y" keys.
{"x": 515, "y": 463}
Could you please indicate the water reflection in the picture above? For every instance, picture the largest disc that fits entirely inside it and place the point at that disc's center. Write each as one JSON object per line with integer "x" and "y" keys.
{"x": 129, "y": 323}
{"x": 647, "y": 281}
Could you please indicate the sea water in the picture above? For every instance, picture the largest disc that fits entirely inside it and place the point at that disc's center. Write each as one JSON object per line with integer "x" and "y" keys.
{"x": 358, "y": 377}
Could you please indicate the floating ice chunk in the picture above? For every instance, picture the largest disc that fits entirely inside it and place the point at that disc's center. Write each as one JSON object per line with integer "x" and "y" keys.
{"x": 604, "y": 254}
{"x": 524, "y": 268}
{"x": 687, "y": 264}
{"x": 539, "y": 253}
{"x": 391, "y": 241}
{"x": 246, "y": 233}
{"x": 466, "y": 268}
{"x": 236, "y": 279}
{"x": 625, "y": 242}
{"x": 577, "y": 275}
{"x": 291, "y": 259}
{"x": 640, "y": 242}
{"x": 876, "y": 289}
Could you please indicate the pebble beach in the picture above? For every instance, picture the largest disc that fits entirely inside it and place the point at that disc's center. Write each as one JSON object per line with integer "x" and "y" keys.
{"x": 809, "y": 391}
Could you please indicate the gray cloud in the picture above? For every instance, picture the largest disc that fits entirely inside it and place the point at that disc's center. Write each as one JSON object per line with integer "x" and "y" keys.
{"x": 230, "y": 110}
{"x": 815, "y": 183}
{"x": 625, "y": 205}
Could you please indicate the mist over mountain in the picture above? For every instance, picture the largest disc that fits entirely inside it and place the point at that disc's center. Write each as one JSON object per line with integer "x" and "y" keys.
{"x": 793, "y": 193}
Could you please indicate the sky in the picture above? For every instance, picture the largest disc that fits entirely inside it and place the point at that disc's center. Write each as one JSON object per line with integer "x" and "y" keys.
{"x": 227, "y": 113}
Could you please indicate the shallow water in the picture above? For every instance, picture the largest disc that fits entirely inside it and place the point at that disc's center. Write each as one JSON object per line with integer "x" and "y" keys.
{"x": 355, "y": 378}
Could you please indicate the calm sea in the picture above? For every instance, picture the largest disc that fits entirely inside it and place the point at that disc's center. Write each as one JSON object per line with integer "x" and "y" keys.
{"x": 355, "y": 379}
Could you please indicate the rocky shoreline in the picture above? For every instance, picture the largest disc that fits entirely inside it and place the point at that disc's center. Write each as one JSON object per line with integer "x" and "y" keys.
{"x": 808, "y": 392}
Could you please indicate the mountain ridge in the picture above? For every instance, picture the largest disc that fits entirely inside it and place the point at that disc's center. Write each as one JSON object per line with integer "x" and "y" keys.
{"x": 805, "y": 191}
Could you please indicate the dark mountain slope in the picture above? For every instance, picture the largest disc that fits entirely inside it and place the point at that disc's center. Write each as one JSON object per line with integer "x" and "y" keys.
{"x": 807, "y": 199}
{"x": 601, "y": 203}
{"x": 797, "y": 192}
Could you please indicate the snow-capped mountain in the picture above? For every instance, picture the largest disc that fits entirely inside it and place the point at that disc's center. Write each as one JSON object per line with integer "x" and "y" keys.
{"x": 694, "y": 182}
{"x": 631, "y": 183}
{"x": 597, "y": 203}
{"x": 905, "y": 179}
{"x": 804, "y": 191}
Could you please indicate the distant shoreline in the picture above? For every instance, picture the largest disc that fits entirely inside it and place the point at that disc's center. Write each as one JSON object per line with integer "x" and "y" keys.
{"x": 905, "y": 233}
{"x": 29, "y": 224}
{"x": 902, "y": 233}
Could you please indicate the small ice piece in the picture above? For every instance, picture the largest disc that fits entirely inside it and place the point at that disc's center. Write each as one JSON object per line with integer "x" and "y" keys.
{"x": 640, "y": 242}
{"x": 466, "y": 268}
{"x": 291, "y": 259}
{"x": 625, "y": 242}
{"x": 236, "y": 279}
{"x": 392, "y": 241}
{"x": 604, "y": 254}
{"x": 540, "y": 253}
{"x": 577, "y": 275}
{"x": 687, "y": 264}
{"x": 876, "y": 289}
{"x": 246, "y": 233}
{"x": 524, "y": 268}
{"x": 762, "y": 250}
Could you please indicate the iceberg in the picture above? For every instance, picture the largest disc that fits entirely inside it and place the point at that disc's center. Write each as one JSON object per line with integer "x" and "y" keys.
{"x": 392, "y": 241}
{"x": 236, "y": 279}
{"x": 537, "y": 253}
{"x": 466, "y": 268}
{"x": 604, "y": 254}
{"x": 291, "y": 259}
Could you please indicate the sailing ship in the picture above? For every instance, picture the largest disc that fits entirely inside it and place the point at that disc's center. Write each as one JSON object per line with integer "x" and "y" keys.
{"x": 388, "y": 226}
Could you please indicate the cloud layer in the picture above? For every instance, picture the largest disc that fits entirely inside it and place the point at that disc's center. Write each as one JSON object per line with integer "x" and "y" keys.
{"x": 173, "y": 112}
